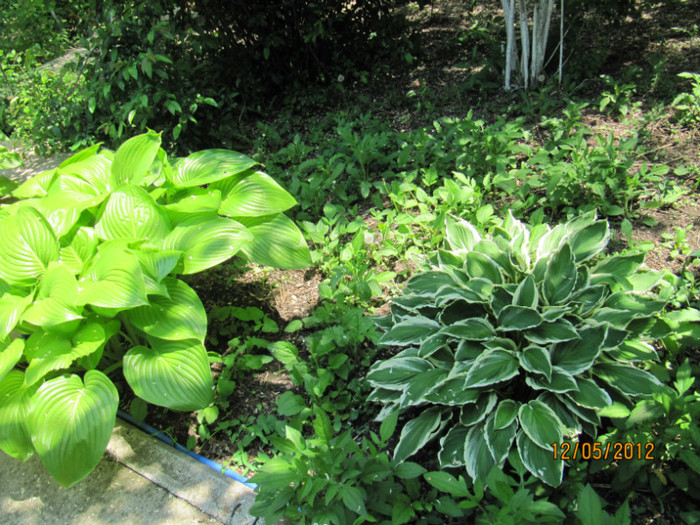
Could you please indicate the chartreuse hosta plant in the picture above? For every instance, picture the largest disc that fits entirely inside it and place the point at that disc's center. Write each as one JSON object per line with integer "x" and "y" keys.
{"x": 89, "y": 255}
{"x": 512, "y": 343}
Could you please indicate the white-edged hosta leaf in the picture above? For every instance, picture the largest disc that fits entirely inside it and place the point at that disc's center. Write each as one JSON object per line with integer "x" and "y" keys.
{"x": 627, "y": 379}
{"x": 410, "y": 332}
{"x": 461, "y": 235}
{"x": 416, "y": 433}
{"x": 428, "y": 283}
{"x": 134, "y": 158}
{"x": 518, "y": 318}
{"x": 131, "y": 213}
{"x": 181, "y": 316}
{"x": 254, "y": 195}
{"x": 474, "y": 329}
{"x": 560, "y": 382}
{"x": 540, "y": 423}
{"x": 505, "y": 414}
{"x": 55, "y": 302}
{"x": 27, "y": 246}
{"x": 527, "y": 293}
{"x": 492, "y": 367}
{"x": 11, "y": 309}
{"x": 37, "y": 186}
{"x": 638, "y": 304}
{"x": 206, "y": 241}
{"x": 173, "y": 374}
{"x": 394, "y": 373}
{"x": 590, "y": 240}
{"x": 634, "y": 350}
{"x": 590, "y": 395}
{"x": 483, "y": 266}
{"x": 15, "y": 396}
{"x": 197, "y": 200}
{"x": 71, "y": 423}
{"x": 452, "y": 392}
{"x": 579, "y": 354}
{"x": 205, "y": 167}
{"x": 536, "y": 360}
{"x": 473, "y": 413}
{"x": 540, "y": 461}
{"x": 555, "y": 332}
{"x": 10, "y": 354}
{"x": 115, "y": 280}
{"x": 277, "y": 242}
{"x": 500, "y": 440}
{"x": 620, "y": 265}
{"x": 452, "y": 444}
{"x": 477, "y": 456}
{"x": 560, "y": 276}
{"x": 415, "y": 389}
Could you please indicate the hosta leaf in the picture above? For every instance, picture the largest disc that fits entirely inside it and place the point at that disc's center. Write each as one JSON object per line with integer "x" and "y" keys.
{"x": 416, "y": 433}
{"x": 396, "y": 372}
{"x": 173, "y": 374}
{"x": 10, "y": 355}
{"x": 114, "y": 281}
{"x": 206, "y": 241}
{"x": 560, "y": 277}
{"x": 526, "y": 294}
{"x": 518, "y": 318}
{"x": 419, "y": 385}
{"x": 452, "y": 447}
{"x": 71, "y": 423}
{"x": 448, "y": 294}
{"x": 492, "y": 367}
{"x": 634, "y": 350}
{"x": 590, "y": 395}
{"x": 540, "y": 461}
{"x": 37, "y": 186}
{"x": 560, "y": 381}
{"x": 631, "y": 302}
{"x": 590, "y": 241}
{"x": 412, "y": 331}
{"x": 556, "y": 332}
{"x": 181, "y": 316}
{"x": 474, "y": 329}
{"x": 473, "y": 413}
{"x": 620, "y": 265}
{"x": 60, "y": 215}
{"x": 80, "y": 251}
{"x": 432, "y": 344}
{"x": 56, "y": 299}
{"x": 205, "y": 167}
{"x": 76, "y": 191}
{"x": 95, "y": 170}
{"x": 81, "y": 155}
{"x": 15, "y": 396}
{"x": 536, "y": 360}
{"x": 11, "y": 309}
{"x": 540, "y": 424}
{"x": 580, "y": 354}
{"x": 277, "y": 242}
{"x": 589, "y": 298}
{"x": 130, "y": 212}
{"x": 500, "y": 440}
{"x": 550, "y": 242}
{"x": 134, "y": 158}
{"x": 505, "y": 414}
{"x": 158, "y": 264}
{"x": 452, "y": 392}
{"x": 461, "y": 236}
{"x": 428, "y": 283}
{"x": 483, "y": 266}
{"x": 197, "y": 200}
{"x": 627, "y": 379}
{"x": 254, "y": 195}
{"x": 27, "y": 246}
{"x": 477, "y": 457}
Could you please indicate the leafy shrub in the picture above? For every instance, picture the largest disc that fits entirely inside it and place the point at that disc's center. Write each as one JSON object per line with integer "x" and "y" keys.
{"x": 90, "y": 251}
{"x": 516, "y": 341}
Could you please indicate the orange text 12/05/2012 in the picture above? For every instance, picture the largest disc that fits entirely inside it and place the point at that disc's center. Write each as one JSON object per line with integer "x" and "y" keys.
{"x": 614, "y": 450}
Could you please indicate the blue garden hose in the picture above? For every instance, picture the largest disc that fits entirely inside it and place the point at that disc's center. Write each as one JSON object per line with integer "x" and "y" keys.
{"x": 169, "y": 441}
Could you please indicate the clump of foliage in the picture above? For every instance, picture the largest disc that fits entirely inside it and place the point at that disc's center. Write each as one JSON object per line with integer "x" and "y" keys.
{"x": 90, "y": 255}
{"x": 688, "y": 104}
{"x": 512, "y": 342}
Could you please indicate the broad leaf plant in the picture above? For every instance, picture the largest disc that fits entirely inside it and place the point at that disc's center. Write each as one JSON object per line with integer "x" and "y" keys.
{"x": 512, "y": 343}
{"x": 89, "y": 258}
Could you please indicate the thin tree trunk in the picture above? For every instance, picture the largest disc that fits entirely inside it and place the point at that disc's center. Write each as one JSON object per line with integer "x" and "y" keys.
{"x": 524, "y": 42}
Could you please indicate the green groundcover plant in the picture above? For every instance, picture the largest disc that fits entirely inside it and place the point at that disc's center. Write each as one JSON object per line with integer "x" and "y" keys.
{"x": 512, "y": 343}
{"x": 88, "y": 258}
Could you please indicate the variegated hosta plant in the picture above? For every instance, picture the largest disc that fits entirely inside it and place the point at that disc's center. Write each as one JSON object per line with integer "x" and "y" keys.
{"x": 509, "y": 344}
{"x": 88, "y": 259}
